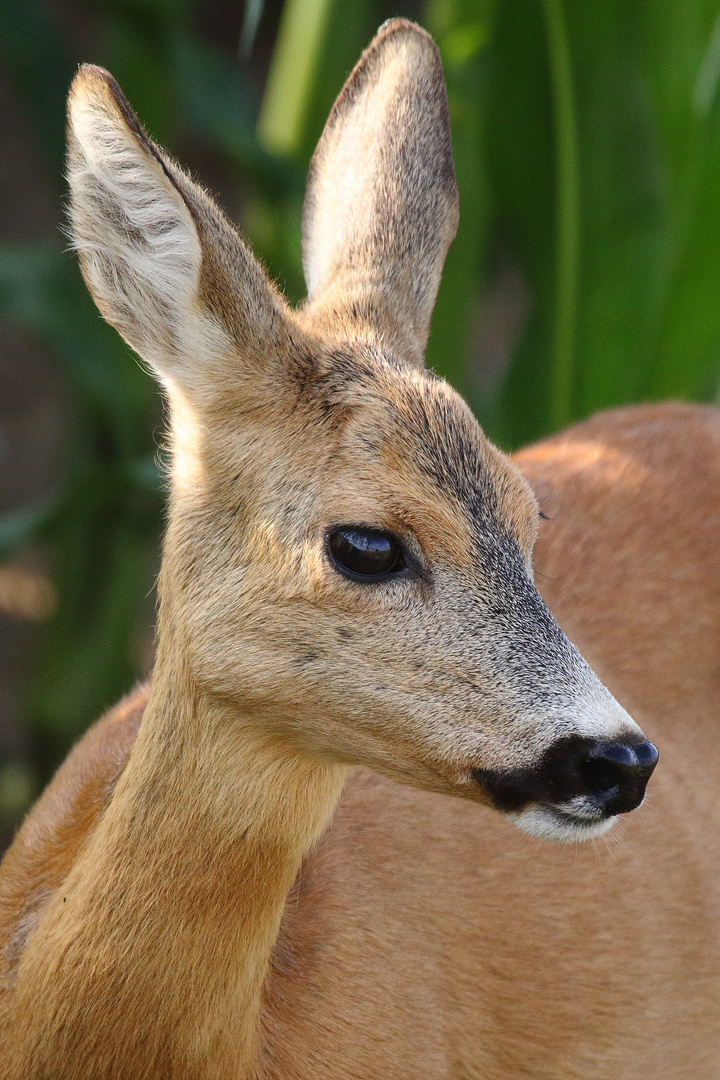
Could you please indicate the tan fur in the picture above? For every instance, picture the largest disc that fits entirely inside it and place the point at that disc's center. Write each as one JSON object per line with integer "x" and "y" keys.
{"x": 206, "y": 892}
{"x": 357, "y": 178}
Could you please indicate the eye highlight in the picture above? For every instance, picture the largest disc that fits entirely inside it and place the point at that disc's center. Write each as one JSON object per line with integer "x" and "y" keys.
{"x": 365, "y": 554}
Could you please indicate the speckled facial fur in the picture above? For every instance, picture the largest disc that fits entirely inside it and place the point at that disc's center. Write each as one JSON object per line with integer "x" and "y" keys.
{"x": 286, "y": 424}
{"x": 206, "y": 890}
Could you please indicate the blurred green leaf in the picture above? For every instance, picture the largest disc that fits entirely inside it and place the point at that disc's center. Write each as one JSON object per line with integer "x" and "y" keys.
{"x": 103, "y": 525}
{"x": 580, "y": 159}
{"x": 18, "y": 788}
{"x": 251, "y": 20}
{"x": 520, "y": 150}
{"x": 219, "y": 106}
{"x": 19, "y": 527}
{"x": 463, "y": 29}
{"x": 293, "y": 73}
{"x": 587, "y": 149}
{"x": 31, "y": 50}
{"x": 42, "y": 288}
{"x": 680, "y": 46}
{"x": 101, "y": 578}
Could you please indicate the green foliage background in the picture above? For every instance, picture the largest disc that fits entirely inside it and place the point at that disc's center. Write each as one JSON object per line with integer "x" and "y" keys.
{"x": 587, "y": 146}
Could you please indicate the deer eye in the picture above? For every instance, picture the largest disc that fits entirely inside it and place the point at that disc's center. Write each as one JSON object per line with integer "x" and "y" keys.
{"x": 368, "y": 554}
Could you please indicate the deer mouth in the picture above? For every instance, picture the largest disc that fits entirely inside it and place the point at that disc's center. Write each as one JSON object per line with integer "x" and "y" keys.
{"x": 561, "y": 823}
{"x": 577, "y": 790}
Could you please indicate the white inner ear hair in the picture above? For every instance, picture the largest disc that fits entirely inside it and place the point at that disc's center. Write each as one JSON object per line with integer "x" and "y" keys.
{"x": 138, "y": 244}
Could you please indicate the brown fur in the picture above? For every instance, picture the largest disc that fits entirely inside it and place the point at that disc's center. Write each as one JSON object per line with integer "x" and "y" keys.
{"x": 209, "y": 892}
{"x": 62, "y": 819}
{"x": 356, "y": 178}
{"x": 529, "y": 960}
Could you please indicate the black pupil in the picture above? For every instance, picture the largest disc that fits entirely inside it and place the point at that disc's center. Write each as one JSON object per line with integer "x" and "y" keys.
{"x": 366, "y": 552}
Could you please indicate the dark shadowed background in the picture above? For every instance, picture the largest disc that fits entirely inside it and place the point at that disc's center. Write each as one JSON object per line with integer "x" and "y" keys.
{"x": 586, "y": 272}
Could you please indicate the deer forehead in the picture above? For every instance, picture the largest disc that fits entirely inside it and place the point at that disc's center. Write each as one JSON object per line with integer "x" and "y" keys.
{"x": 360, "y": 440}
{"x": 438, "y": 447}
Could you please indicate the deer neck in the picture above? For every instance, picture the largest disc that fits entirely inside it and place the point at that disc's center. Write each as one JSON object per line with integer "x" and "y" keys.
{"x": 152, "y": 961}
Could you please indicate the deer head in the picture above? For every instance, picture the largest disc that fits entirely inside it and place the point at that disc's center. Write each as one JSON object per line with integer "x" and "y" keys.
{"x": 348, "y": 558}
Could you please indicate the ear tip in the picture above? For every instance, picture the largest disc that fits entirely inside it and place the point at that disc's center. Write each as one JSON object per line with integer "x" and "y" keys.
{"x": 414, "y": 33}
{"x": 95, "y": 93}
{"x": 95, "y": 85}
{"x": 399, "y": 25}
{"x": 91, "y": 79}
{"x": 417, "y": 52}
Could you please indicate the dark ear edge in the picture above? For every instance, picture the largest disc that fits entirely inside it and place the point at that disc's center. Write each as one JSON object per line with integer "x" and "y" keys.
{"x": 363, "y": 69}
{"x": 220, "y": 273}
{"x": 416, "y": 198}
{"x": 95, "y": 73}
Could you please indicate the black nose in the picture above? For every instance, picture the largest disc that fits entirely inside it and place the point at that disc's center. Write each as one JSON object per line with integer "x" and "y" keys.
{"x": 611, "y": 776}
{"x": 615, "y": 774}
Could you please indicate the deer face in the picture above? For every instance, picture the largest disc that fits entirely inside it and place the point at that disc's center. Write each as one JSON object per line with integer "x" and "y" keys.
{"x": 358, "y": 574}
{"x": 348, "y": 559}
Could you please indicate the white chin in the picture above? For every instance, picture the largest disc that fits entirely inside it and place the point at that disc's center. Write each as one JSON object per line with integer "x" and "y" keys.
{"x": 551, "y": 824}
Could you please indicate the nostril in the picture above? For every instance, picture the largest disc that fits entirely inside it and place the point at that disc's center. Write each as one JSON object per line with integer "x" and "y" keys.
{"x": 618, "y": 754}
{"x": 647, "y": 755}
{"x": 601, "y": 774}
{"x": 618, "y": 773}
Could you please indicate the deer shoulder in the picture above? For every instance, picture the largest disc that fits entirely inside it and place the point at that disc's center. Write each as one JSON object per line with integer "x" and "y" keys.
{"x": 60, "y": 822}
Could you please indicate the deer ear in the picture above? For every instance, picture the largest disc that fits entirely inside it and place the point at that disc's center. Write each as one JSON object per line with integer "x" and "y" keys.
{"x": 381, "y": 207}
{"x": 163, "y": 264}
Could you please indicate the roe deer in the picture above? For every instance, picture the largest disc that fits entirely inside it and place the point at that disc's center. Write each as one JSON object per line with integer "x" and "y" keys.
{"x": 225, "y": 879}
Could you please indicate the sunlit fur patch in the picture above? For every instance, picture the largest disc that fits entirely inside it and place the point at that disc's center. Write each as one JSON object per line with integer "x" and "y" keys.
{"x": 549, "y": 823}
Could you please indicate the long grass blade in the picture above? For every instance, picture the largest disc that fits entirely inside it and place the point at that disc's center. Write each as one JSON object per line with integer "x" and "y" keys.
{"x": 567, "y": 213}
{"x": 292, "y": 72}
